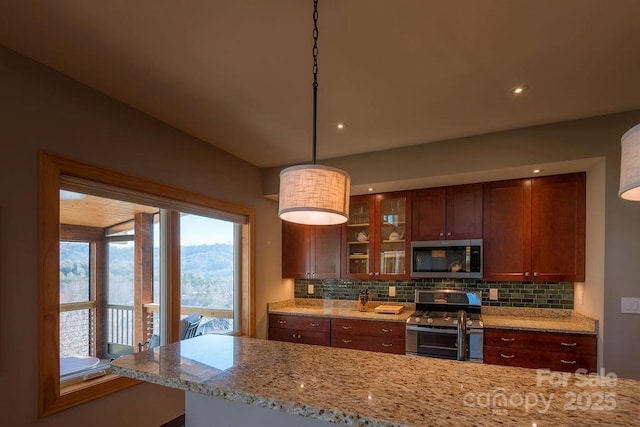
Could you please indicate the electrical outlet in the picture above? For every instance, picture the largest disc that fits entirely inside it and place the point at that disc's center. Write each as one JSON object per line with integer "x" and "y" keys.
{"x": 392, "y": 291}
{"x": 493, "y": 294}
{"x": 631, "y": 305}
{"x": 310, "y": 289}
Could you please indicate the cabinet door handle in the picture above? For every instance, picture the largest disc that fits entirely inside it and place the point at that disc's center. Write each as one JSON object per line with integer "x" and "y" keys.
{"x": 282, "y": 322}
{"x": 346, "y": 341}
{"x": 314, "y": 324}
{"x": 296, "y": 336}
{"x": 507, "y": 356}
{"x": 371, "y": 274}
{"x": 568, "y": 362}
{"x": 386, "y": 330}
{"x": 387, "y": 345}
{"x": 449, "y": 234}
{"x": 507, "y": 339}
{"x": 347, "y": 327}
{"x": 526, "y": 274}
{"x": 535, "y": 273}
{"x": 441, "y": 234}
{"x": 569, "y": 344}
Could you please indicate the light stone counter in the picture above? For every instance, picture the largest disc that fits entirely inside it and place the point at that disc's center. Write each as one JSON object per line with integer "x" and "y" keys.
{"x": 338, "y": 308}
{"x": 368, "y": 388}
{"x": 538, "y": 319}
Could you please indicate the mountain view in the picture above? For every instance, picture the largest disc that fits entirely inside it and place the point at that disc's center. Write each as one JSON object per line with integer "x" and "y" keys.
{"x": 207, "y": 279}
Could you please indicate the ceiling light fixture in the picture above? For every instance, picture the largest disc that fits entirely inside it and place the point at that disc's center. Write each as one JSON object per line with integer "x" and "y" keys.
{"x": 536, "y": 171}
{"x": 630, "y": 165}
{"x": 340, "y": 126}
{"x": 314, "y": 194}
{"x": 518, "y": 90}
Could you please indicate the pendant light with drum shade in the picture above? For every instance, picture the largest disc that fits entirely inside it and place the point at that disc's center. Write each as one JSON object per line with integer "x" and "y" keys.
{"x": 314, "y": 194}
{"x": 630, "y": 165}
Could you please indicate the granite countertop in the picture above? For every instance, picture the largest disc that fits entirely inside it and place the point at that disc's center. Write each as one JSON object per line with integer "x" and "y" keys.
{"x": 544, "y": 320}
{"x": 375, "y": 389}
{"x": 338, "y": 309}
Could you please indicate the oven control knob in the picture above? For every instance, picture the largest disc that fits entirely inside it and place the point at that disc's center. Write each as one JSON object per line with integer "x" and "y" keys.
{"x": 469, "y": 322}
{"x": 418, "y": 320}
{"x": 429, "y": 320}
{"x": 481, "y": 324}
{"x": 455, "y": 321}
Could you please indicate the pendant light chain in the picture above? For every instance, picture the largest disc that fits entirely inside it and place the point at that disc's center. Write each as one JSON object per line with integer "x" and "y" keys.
{"x": 315, "y": 76}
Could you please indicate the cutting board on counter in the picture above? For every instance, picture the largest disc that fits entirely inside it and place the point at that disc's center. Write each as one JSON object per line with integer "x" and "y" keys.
{"x": 389, "y": 309}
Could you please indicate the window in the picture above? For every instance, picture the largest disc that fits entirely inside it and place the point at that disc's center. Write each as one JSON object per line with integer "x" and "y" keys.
{"x": 132, "y": 259}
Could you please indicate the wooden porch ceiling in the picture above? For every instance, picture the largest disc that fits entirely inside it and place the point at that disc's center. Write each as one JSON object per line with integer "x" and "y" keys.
{"x": 94, "y": 211}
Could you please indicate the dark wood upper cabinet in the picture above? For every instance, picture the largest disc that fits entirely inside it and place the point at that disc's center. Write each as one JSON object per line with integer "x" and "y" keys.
{"x": 311, "y": 251}
{"x": 534, "y": 229}
{"x": 376, "y": 239}
{"x": 558, "y": 220}
{"x": 507, "y": 230}
{"x": 450, "y": 213}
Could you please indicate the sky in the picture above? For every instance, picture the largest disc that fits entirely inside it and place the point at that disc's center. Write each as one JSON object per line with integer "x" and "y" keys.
{"x": 200, "y": 230}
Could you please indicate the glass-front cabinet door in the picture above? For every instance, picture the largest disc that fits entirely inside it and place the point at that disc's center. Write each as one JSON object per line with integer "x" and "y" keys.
{"x": 392, "y": 242}
{"x": 358, "y": 239}
{"x": 376, "y": 237}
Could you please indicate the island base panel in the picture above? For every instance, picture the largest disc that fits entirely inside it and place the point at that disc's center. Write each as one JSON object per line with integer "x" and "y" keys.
{"x": 204, "y": 411}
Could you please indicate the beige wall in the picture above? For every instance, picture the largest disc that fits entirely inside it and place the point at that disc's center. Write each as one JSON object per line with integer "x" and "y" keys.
{"x": 613, "y": 228}
{"x": 42, "y": 110}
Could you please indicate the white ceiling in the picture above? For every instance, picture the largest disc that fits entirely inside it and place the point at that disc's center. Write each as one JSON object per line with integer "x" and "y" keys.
{"x": 237, "y": 73}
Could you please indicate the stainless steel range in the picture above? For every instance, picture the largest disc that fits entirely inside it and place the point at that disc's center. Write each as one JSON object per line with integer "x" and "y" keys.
{"x": 446, "y": 324}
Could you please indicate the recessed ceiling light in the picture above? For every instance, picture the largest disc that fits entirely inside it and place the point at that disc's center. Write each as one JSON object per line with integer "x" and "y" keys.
{"x": 340, "y": 125}
{"x": 519, "y": 90}
{"x": 370, "y": 189}
{"x": 536, "y": 170}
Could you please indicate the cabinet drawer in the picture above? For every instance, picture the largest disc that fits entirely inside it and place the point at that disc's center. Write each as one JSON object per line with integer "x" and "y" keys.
{"x": 368, "y": 327}
{"x": 370, "y": 343}
{"x": 537, "y": 359}
{"x": 299, "y": 336}
{"x": 541, "y": 341}
{"x": 303, "y": 323}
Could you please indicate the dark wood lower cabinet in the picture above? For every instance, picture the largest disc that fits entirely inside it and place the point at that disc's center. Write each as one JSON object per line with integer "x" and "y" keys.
{"x": 371, "y": 335}
{"x": 540, "y": 350}
{"x": 300, "y": 329}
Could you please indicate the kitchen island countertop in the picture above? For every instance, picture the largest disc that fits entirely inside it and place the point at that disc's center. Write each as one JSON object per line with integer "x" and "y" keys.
{"x": 368, "y": 388}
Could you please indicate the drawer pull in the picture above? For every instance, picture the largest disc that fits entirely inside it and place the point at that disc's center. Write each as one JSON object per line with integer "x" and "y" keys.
{"x": 347, "y": 327}
{"x": 314, "y": 324}
{"x": 282, "y": 322}
{"x": 386, "y": 330}
{"x": 568, "y": 362}
{"x": 507, "y": 356}
{"x": 508, "y": 339}
{"x": 569, "y": 344}
{"x": 387, "y": 345}
{"x": 346, "y": 341}
{"x": 297, "y": 336}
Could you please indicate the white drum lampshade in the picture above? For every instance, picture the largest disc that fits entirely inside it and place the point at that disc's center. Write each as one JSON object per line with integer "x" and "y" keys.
{"x": 630, "y": 165}
{"x": 314, "y": 195}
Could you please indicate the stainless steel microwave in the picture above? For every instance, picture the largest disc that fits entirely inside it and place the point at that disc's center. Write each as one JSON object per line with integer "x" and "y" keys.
{"x": 447, "y": 258}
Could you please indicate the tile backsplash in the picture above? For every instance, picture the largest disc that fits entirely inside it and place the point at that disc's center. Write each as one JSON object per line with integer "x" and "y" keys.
{"x": 510, "y": 294}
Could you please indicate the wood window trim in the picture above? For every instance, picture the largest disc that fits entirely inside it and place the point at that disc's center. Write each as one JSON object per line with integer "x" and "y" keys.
{"x": 51, "y": 169}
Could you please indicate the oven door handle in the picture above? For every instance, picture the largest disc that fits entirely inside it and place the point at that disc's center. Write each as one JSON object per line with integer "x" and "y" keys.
{"x": 438, "y": 330}
{"x": 453, "y": 331}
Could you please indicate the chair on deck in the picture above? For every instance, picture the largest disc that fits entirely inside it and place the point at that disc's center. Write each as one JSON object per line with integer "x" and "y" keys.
{"x": 188, "y": 328}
